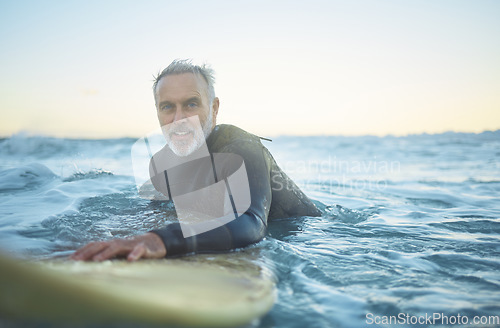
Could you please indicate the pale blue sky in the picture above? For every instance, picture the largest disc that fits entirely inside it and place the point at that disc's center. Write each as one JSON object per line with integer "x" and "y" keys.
{"x": 84, "y": 68}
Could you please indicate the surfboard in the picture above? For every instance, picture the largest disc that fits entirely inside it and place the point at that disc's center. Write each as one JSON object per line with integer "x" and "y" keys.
{"x": 201, "y": 291}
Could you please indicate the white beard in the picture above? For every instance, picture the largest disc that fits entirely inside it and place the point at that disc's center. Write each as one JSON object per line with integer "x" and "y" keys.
{"x": 185, "y": 148}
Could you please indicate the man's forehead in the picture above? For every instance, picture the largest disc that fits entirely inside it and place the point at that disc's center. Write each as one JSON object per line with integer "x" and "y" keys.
{"x": 183, "y": 82}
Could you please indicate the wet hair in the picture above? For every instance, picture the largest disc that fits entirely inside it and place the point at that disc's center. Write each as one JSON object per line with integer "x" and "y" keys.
{"x": 180, "y": 66}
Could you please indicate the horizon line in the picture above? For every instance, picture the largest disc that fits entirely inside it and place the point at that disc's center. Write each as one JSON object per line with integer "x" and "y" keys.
{"x": 34, "y": 134}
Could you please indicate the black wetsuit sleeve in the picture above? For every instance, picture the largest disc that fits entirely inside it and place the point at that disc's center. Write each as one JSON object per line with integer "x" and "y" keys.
{"x": 244, "y": 230}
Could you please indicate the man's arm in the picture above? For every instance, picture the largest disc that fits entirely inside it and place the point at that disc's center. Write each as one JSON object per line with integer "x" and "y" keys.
{"x": 243, "y": 231}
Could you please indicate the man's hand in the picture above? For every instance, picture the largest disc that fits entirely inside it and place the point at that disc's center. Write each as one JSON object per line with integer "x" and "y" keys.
{"x": 149, "y": 246}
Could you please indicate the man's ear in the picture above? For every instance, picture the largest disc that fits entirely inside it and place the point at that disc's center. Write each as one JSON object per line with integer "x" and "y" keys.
{"x": 215, "y": 107}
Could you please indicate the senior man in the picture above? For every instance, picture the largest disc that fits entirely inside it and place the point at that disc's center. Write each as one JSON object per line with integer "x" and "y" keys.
{"x": 184, "y": 95}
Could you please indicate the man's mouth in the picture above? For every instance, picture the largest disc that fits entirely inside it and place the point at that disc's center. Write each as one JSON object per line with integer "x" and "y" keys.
{"x": 181, "y": 135}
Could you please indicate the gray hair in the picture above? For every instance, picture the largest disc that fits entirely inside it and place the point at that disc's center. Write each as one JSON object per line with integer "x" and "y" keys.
{"x": 180, "y": 66}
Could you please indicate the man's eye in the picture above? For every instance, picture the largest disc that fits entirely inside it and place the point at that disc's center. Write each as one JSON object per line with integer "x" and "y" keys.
{"x": 192, "y": 105}
{"x": 166, "y": 107}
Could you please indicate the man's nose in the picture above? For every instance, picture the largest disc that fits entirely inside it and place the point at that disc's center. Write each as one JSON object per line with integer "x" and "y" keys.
{"x": 179, "y": 115}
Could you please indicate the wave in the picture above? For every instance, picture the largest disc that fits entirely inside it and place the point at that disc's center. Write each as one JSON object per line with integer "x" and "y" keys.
{"x": 25, "y": 177}
{"x": 23, "y": 144}
{"x": 34, "y": 175}
{"x": 92, "y": 174}
{"x": 43, "y": 147}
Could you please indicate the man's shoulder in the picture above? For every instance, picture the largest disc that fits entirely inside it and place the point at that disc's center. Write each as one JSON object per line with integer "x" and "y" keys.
{"x": 233, "y": 131}
{"x": 225, "y": 135}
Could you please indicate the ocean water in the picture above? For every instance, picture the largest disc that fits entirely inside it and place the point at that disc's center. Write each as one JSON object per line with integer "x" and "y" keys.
{"x": 410, "y": 231}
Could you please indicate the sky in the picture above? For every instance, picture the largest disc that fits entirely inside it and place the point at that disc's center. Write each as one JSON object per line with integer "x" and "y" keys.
{"x": 85, "y": 68}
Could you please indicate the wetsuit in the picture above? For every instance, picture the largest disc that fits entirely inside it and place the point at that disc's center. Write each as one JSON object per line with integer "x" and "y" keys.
{"x": 273, "y": 194}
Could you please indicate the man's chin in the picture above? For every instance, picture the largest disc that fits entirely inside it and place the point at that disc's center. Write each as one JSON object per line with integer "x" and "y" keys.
{"x": 182, "y": 149}
{"x": 184, "y": 144}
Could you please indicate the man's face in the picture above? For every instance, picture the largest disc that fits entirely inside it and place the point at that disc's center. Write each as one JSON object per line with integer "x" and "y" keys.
{"x": 179, "y": 99}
